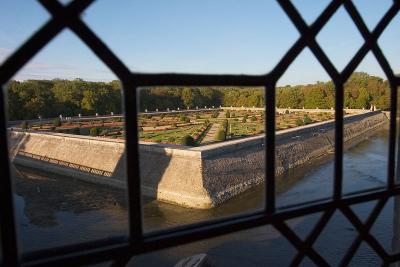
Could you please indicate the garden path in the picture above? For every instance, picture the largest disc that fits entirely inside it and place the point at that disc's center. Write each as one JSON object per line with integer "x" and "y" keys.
{"x": 210, "y": 136}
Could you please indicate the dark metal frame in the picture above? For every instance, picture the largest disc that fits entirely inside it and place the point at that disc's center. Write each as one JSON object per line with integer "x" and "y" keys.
{"x": 120, "y": 249}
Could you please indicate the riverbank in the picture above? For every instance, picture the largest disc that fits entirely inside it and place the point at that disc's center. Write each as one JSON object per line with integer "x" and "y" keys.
{"x": 195, "y": 177}
{"x": 65, "y": 211}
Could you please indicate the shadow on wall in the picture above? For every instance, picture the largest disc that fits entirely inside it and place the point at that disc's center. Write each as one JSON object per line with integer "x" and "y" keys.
{"x": 95, "y": 160}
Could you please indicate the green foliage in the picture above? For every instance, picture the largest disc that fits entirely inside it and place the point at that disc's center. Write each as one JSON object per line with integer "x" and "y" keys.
{"x": 187, "y": 140}
{"x": 220, "y": 136}
{"x": 307, "y": 120}
{"x": 225, "y": 124}
{"x": 185, "y": 118}
{"x": 24, "y": 125}
{"x": 57, "y": 122}
{"x": 94, "y": 131}
{"x": 299, "y": 122}
{"x": 28, "y": 99}
{"x": 48, "y": 98}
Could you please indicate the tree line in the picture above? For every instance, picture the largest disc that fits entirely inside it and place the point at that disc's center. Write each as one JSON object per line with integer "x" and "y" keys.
{"x": 50, "y": 98}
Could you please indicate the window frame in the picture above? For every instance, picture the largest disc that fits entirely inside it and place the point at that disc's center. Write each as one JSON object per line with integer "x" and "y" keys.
{"x": 121, "y": 249}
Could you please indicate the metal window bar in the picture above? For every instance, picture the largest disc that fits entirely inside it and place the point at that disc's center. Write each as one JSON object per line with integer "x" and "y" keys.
{"x": 120, "y": 249}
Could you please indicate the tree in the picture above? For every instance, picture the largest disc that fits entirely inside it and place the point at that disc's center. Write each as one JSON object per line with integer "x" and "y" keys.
{"x": 363, "y": 99}
{"x": 187, "y": 140}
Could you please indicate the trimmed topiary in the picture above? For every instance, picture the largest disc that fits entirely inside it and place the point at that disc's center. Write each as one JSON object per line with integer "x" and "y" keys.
{"x": 307, "y": 120}
{"x": 299, "y": 122}
{"x": 24, "y": 125}
{"x": 57, "y": 122}
{"x": 220, "y": 136}
{"x": 187, "y": 140}
{"x": 94, "y": 131}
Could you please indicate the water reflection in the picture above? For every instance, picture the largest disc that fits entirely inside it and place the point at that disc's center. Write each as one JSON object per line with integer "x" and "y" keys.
{"x": 54, "y": 211}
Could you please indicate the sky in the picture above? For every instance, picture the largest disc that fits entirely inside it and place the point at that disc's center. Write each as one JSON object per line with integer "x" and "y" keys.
{"x": 192, "y": 36}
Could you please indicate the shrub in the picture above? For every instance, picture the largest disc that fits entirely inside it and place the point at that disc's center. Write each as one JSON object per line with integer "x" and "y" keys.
{"x": 220, "y": 136}
{"x": 57, "y": 122}
{"x": 307, "y": 120}
{"x": 171, "y": 139}
{"x": 227, "y": 114}
{"x": 225, "y": 124}
{"x": 158, "y": 139}
{"x": 299, "y": 122}
{"x": 75, "y": 131}
{"x": 187, "y": 140}
{"x": 185, "y": 119}
{"x": 94, "y": 131}
{"x": 24, "y": 125}
{"x": 104, "y": 132}
{"x": 253, "y": 118}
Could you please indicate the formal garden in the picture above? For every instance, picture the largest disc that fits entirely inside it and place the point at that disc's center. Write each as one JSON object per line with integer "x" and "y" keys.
{"x": 184, "y": 128}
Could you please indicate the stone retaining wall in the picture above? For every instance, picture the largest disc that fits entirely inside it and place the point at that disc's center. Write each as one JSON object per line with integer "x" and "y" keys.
{"x": 196, "y": 177}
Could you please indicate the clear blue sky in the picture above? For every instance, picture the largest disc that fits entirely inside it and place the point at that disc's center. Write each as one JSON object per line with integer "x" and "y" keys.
{"x": 194, "y": 36}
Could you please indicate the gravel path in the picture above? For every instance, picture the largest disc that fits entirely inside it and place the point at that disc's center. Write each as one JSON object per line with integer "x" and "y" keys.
{"x": 210, "y": 136}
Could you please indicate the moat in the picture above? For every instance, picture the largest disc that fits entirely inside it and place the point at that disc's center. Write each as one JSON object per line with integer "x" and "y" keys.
{"x": 54, "y": 211}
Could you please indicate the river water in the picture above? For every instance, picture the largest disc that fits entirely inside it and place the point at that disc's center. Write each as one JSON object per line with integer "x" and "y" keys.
{"x": 54, "y": 211}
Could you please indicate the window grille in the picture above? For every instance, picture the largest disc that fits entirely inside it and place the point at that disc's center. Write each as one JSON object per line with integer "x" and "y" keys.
{"x": 120, "y": 250}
